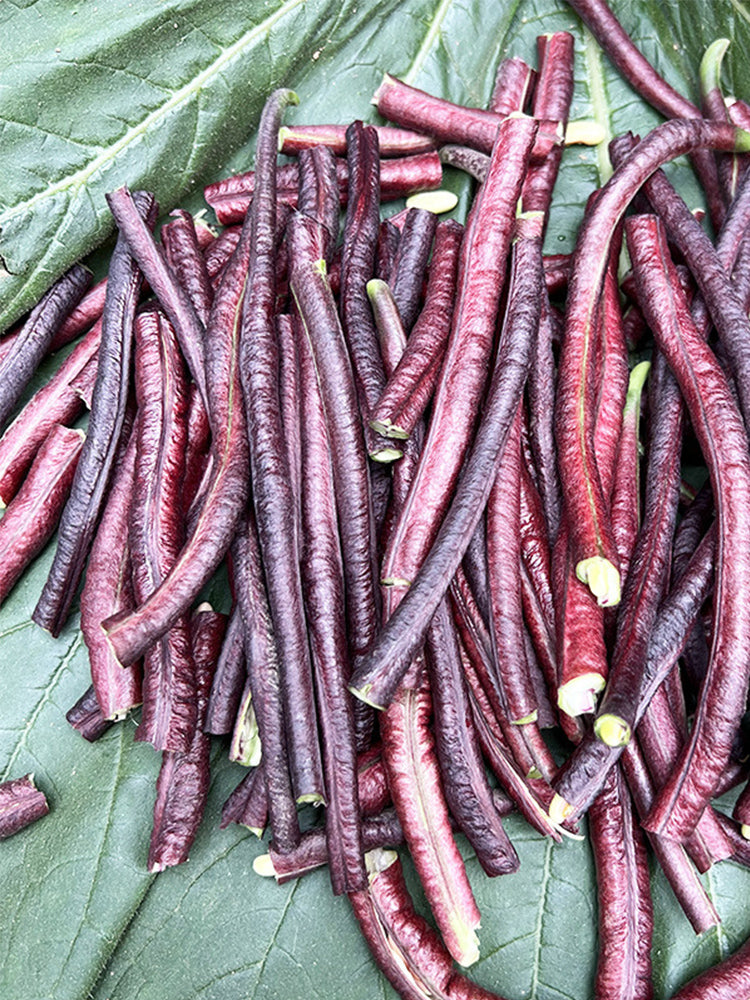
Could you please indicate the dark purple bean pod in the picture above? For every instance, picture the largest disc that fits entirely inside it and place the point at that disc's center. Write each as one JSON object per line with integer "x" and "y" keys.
{"x": 263, "y": 672}
{"x": 392, "y": 141}
{"x": 33, "y": 341}
{"x": 625, "y": 921}
{"x": 647, "y": 82}
{"x": 323, "y": 582}
{"x": 378, "y": 672}
{"x": 272, "y": 494}
{"x": 229, "y": 679}
{"x": 467, "y": 793}
{"x": 541, "y": 396}
{"x": 361, "y": 229}
{"x": 32, "y": 515}
{"x": 388, "y": 239}
{"x": 588, "y": 514}
{"x": 186, "y": 259}
{"x": 410, "y": 265}
{"x": 217, "y": 254}
{"x": 86, "y": 717}
{"x": 108, "y": 589}
{"x": 248, "y": 803}
{"x": 720, "y": 297}
{"x": 226, "y": 491}
{"x": 157, "y": 528}
{"x": 182, "y": 784}
{"x": 21, "y": 804}
{"x": 321, "y": 323}
{"x": 78, "y": 522}
{"x": 427, "y": 341}
{"x": 57, "y": 402}
{"x": 719, "y": 429}
{"x": 174, "y": 299}
{"x": 462, "y": 382}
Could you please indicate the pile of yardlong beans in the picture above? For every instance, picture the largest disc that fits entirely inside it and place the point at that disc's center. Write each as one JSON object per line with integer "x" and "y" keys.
{"x": 449, "y": 493}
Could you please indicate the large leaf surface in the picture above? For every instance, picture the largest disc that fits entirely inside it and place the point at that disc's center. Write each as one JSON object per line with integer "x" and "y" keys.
{"x": 165, "y": 95}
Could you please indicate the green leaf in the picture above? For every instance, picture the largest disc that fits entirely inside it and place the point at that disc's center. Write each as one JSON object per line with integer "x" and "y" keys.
{"x": 166, "y": 95}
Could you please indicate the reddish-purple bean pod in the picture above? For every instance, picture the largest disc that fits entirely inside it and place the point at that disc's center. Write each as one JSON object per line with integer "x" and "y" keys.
{"x": 157, "y": 527}
{"x": 443, "y": 120}
{"x": 379, "y": 831}
{"x": 248, "y": 803}
{"x": 392, "y": 141}
{"x": 378, "y": 672}
{"x": 426, "y": 343}
{"x": 471, "y": 161}
{"x": 85, "y": 315}
{"x": 504, "y": 562}
{"x": 399, "y": 178}
{"x": 417, "y": 793}
{"x": 728, "y": 980}
{"x": 108, "y": 589}
{"x": 588, "y": 514}
{"x": 21, "y": 804}
{"x": 227, "y": 488}
{"x": 553, "y": 94}
{"x": 33, "y": 340}
{"x": 32, "y": 515}
{"x": 186, "y": 259}
{"x": 78, "y": 522}
{"x": 182, "y": 785}
{"x": 481, "y": 276}
{"x": 625, "y": 921}
{"x": 319, "y": 191}
{"x": 721, "y": 434}
{"x": 541, "y": 406}
{"x": 514, "y": 83}
{"x": 58, "y": 402}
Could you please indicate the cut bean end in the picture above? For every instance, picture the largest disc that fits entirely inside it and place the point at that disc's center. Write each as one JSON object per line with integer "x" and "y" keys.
{"x": 531, "y": 717}
{"x": 364, "y": 695}
{"x": 388, "y": 429}
{"x": 578, "y": 696}
{"x": 559, "y": 809}
{"x": 602, "y": 579}
{"x": 386, "y": 454}
{"x": 263, "y": 866}
{"x": 745, "y": 831}
{"x": 612, "y": 730}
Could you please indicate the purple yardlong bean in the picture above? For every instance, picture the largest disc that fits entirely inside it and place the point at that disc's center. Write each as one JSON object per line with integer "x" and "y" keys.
{"x": 273, "y": 499}
{"x": 94, "y": 469}
{"x": 410, "y": 265}
{"x": 34, "y": 339}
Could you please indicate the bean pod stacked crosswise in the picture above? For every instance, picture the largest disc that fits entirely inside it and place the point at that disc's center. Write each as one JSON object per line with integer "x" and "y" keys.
{"x": 444, "y": 472}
